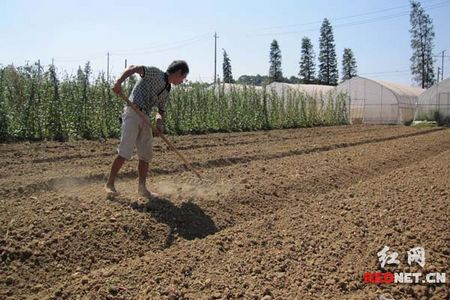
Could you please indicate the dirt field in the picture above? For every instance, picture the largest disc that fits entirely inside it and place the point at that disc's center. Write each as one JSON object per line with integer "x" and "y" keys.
{"x": 292, "y": 214}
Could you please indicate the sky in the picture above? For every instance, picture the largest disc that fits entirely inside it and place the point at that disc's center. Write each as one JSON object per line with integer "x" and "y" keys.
{"x": 155, "y": 33}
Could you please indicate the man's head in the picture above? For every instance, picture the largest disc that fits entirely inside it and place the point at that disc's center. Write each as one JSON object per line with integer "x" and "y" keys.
{"x": 177, "y": 71}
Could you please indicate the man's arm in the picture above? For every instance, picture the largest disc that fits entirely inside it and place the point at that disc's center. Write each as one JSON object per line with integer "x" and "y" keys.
{"x": 128, "y": 72}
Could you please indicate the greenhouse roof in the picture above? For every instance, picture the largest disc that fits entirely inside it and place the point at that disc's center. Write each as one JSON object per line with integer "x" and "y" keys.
{"x": 398, "y": 89}
{"x": 309, "y": 89}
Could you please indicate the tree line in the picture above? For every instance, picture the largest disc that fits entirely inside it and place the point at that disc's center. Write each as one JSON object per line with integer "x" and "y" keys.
{"x": 328, "y": 68}
{"x": 422, "y": 60}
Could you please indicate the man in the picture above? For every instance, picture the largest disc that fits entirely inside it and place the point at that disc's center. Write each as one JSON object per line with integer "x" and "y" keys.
{"x": 151, "y": 90}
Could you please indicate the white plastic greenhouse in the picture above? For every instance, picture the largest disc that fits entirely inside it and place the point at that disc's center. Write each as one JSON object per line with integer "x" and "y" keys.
{"x": 434, "y": 100}
{"x": 228, "y": 87}
{"x": 312, "y": 90}
{"x": 379, "y": 102}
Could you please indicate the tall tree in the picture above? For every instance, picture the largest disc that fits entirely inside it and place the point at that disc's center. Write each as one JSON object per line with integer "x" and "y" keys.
{"x": 349, "y": 68}
{"x": 328, "y": 71}
{"x": 275, "y": 72}
{"x": 422, "y": 43}
{"x": 307, "y": 67}
{"x": 227, "y": 75}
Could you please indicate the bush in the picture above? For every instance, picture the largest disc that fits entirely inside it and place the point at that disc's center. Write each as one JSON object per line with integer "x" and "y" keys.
{"x": 38, "y": 104}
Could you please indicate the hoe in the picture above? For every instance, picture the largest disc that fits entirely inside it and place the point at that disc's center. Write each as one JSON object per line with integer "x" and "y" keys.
{"x": 169, "y": 143}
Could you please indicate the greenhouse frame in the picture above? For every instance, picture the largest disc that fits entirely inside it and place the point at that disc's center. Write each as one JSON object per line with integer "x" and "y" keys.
{"x": 434, "y": 103}
{"x": 379, "y": 102}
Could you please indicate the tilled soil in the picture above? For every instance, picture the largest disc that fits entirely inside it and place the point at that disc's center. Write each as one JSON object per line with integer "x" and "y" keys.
{"x": 285, "y": 214}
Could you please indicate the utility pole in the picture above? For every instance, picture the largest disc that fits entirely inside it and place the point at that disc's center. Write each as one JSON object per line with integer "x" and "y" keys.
{"x": 107, "y": 67}
{"x": 53, "y": 61}
{"x": 438, "y": 73}
{"x": 215, "y": 56}
{"x": 125, "y": 63}
{"x": 442, "y": 68}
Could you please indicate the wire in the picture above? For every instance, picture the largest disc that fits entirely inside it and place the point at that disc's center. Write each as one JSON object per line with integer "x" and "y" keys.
{"x": 339, "y": 18}
{"x": 158, "y": 48}
{"x": 359, "y": 22}
{"x": 62, "y": 59}
{"x": 386, "y": 72}
{"x": 172, "y": 45}
{"x": 163, "y": 49}
{"x": 387, "y": 75}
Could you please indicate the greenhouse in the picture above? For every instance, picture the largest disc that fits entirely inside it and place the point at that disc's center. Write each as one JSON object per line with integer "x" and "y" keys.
{"x": 434, "y": 103}
{"x": 280, "y": 88}
{"x": 313, "y": 90}
{"x": 380, "y": 102}
{"x": 229, "y": 87}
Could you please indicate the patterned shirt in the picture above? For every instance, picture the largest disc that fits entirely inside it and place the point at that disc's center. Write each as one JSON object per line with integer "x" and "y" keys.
{"x": 151, "y": 90}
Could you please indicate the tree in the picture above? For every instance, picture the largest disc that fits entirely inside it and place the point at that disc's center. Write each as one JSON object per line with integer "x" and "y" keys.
{"x": 227, "y": 75}
{"x": 422, "y": 43}
{"x": 253, "y": 80}
{"x": 307, "y": 68}
{"x": 349, "y": 68}
{"x": 294, "y": 80}
{"x": 328, "y": 71}
{"x": 275, "y": 72}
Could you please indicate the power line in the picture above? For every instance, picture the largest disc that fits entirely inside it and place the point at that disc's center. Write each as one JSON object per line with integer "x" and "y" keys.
{"x": 359, "y": 22}
{"x": 385, "y": 72}
{"x": 331, "y": 19}
{"x": 215, "y": 56}
{"x": 399, "y": 75}
{"x": 162, "y": 47}
{"x": 339, "y": 18}
{"x": 62, "y": 59}
{"x": 107, "y": 67}
{"x": 157, "y": 49}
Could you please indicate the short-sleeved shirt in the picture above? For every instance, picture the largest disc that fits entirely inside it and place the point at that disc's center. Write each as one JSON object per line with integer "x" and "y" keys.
{"x": 151, "y": 90}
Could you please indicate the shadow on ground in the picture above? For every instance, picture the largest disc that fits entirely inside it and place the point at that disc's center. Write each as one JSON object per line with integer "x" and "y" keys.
{"x": 187, "y": 221}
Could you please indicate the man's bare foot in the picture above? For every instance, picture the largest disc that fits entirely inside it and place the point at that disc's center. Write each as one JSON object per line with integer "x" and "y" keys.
{"x": 111, "y": 190}
{"x": 142, "y": 191}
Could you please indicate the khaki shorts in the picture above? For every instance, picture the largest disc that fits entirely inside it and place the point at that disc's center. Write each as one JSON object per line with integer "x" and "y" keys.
{"x": 135, "y": 133}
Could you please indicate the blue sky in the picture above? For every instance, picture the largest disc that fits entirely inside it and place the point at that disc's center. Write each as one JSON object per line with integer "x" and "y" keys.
{"x": 157, "y": 32}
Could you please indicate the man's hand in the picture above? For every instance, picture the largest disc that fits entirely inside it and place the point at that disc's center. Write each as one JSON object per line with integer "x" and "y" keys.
{"x": 159, "y": 125}
{"x": 156, "y": 132}
{"x": 117, "y": 88}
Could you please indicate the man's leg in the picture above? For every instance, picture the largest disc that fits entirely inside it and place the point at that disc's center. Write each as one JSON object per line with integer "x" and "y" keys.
{"x": 116, "y": 165}
{"x": 145, "y": 153}
{"x": 130, "y": 130}
{"x": 143, "y": 170}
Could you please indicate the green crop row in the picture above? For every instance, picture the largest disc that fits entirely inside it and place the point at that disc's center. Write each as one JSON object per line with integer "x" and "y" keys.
{"x": 40, "y": 104}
